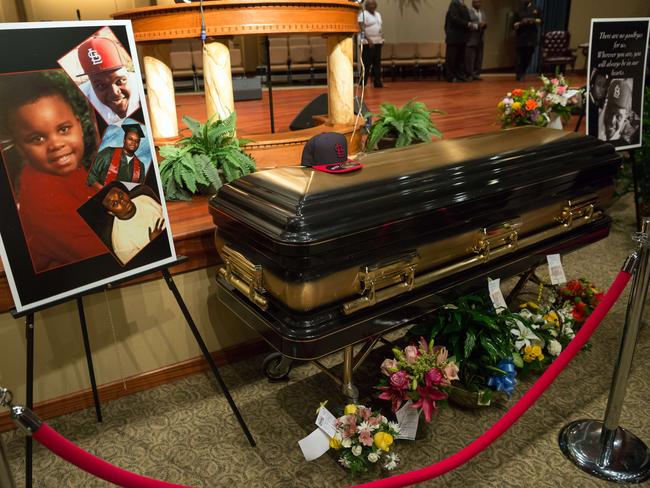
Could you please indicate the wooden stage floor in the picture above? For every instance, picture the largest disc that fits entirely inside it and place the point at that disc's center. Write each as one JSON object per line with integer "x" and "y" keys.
{"x": 470, "y": 107}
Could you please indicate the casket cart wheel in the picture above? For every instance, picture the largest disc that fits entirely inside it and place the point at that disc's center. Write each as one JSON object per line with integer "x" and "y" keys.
{"x": 276, "y": 367}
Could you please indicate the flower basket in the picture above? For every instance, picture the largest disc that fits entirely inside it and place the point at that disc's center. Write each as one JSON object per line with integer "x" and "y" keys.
{"x": 548, "y": 106}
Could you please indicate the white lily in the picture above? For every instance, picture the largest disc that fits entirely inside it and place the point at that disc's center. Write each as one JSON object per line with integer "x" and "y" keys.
{"x": 523, "y": 334}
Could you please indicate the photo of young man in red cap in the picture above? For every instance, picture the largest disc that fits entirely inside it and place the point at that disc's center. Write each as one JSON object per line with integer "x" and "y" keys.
{"x": 111, "y": 88}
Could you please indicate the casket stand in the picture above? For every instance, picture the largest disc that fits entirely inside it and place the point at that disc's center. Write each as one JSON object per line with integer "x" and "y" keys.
{"x": 317, "y": 262}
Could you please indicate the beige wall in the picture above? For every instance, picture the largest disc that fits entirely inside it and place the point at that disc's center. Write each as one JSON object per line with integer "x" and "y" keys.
{"x": 582, "y": 11}
{"x": 67, "y": 9}
{"x": 147, "y": 332}
{"x": 8, "y": 11}
{"x": 424, "y": 20}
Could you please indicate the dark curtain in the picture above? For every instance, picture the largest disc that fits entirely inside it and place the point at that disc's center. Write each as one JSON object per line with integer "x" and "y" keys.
{"x": 555, "y": 17}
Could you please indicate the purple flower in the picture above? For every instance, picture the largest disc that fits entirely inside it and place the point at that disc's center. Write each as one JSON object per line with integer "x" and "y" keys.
{"x": 427, "y": 402}
{"x": 396, "y": 392}
{"x": 434, "y": 377}
{"x": 400, "y": 380}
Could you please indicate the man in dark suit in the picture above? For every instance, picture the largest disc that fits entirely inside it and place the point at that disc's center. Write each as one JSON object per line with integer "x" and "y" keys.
{"x": 474, "y": 48}
{"x": 457, "y": 29}
{"x": 526, "y": 21}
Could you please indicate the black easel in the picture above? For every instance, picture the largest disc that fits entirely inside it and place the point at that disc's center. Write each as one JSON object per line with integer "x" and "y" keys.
{"x": 29, "y": 328}
{"x": 635, "y": 181}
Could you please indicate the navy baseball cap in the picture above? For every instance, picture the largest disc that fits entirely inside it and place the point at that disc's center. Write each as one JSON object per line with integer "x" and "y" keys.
{"x": 328, "y": 152}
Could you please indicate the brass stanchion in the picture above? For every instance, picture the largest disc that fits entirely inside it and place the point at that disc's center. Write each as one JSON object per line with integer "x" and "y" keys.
{"x": 604, "y": 449}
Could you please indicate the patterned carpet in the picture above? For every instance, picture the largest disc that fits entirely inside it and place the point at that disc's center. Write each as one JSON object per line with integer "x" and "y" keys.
{"x": 185, "y": 433}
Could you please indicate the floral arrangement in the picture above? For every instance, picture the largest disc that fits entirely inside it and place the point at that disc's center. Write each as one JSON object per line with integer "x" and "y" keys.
{"x": 553, "y": 94}
{"x": 420, "y": 373}
{"x": 479, "y": 340}
{"x": 364, "y": 439}
{"x": 489, "y": 349}
{"x": 540, "y": 332}
{"x": 582, "y": 296}
{"x": 522, "y": 107}
{"x": 536, "y": 106}
{"x": 543, "y": 328}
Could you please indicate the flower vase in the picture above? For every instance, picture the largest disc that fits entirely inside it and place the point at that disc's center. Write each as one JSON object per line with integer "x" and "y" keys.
{"x": 555, "y": 122}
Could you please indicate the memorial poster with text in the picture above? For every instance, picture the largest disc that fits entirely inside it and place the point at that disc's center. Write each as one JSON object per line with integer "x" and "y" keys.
{"x": 81, "y": 203}
{"x": 617, "y": 62}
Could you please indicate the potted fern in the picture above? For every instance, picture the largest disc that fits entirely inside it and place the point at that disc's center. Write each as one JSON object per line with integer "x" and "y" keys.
{"x": 402, "y": 126}
{"x": 202, "y": 162}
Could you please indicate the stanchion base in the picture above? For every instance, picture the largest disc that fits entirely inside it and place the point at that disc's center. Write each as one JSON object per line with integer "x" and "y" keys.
{"x": 629, "y": 461}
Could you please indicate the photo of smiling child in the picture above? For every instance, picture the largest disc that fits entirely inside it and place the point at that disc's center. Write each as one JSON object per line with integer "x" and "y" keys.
{"x": 47, "y": 151}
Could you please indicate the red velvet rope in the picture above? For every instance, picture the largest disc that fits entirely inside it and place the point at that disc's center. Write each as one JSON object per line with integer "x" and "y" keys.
{"x": 518, "y": 409}
{"x": 72, "y": 453}
{"x": 61, "y": 446}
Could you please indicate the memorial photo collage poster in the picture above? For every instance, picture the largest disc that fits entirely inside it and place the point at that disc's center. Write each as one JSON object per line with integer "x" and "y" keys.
{"x": 616, "y": 70}
{"x": 81, "y": 203}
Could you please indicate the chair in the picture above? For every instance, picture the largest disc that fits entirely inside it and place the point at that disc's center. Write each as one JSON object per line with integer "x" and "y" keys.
{"x": 298, "y": 41}
{"x": 387, "y": 59}
{"x": 556, "y": 51}
{"x": 236, "y": 66}
{"x": 300, "y": 61}
{"x": 428, "y": 54}
{"x": 182, "y": 67}
{"x": 404, "y": 56}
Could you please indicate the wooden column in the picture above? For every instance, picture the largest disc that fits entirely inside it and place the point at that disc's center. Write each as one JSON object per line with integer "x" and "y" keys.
{"x": 219, "y": 98}
{"x": 340, "y": 79}
{"x": 160, "y": 95}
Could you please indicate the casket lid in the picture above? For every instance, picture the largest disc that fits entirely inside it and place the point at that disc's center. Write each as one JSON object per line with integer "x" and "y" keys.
{"x": 296, "y": 205}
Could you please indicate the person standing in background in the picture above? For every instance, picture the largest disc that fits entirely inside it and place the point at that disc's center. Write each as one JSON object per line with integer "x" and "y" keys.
{"x": 457, "y": 29}
{"x": 474, "y": 47}
{"x": 372, "y": 39}
{"x": 526, "y": 20}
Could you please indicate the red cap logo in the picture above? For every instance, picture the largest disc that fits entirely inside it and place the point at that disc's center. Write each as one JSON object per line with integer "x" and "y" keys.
{"x": 99, "y": 54}
{"x": 340, "y": 152}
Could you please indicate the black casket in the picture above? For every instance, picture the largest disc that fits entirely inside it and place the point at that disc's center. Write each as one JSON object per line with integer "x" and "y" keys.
{"x": 316, "y": 261}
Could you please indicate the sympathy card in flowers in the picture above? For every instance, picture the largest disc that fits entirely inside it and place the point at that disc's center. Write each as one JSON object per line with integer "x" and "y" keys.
{"x": 362, "y": 438}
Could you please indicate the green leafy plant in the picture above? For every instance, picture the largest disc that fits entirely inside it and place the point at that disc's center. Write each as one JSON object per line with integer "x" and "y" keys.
{"x": 408, "y": 124}
{"x": 202, "y": 162}
{"x": 475, "y": 336}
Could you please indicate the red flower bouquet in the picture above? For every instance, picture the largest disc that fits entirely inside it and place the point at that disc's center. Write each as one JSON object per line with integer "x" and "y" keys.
{"x": 420, "y": 373}
{"x": 583, "y": 296}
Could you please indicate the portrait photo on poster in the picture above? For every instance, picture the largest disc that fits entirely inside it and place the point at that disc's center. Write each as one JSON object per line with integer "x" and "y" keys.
{"x": 81, "y": 204}
{"x": 127, "y": 218}
{"x": 617, "y": 63}
{"x": 124, "y": 155}
{"x": 105, "y": 73}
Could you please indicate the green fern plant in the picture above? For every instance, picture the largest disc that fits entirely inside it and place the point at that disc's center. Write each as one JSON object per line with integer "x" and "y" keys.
{"x": 408, "y": 124}
{"x": 202, "y": 162}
